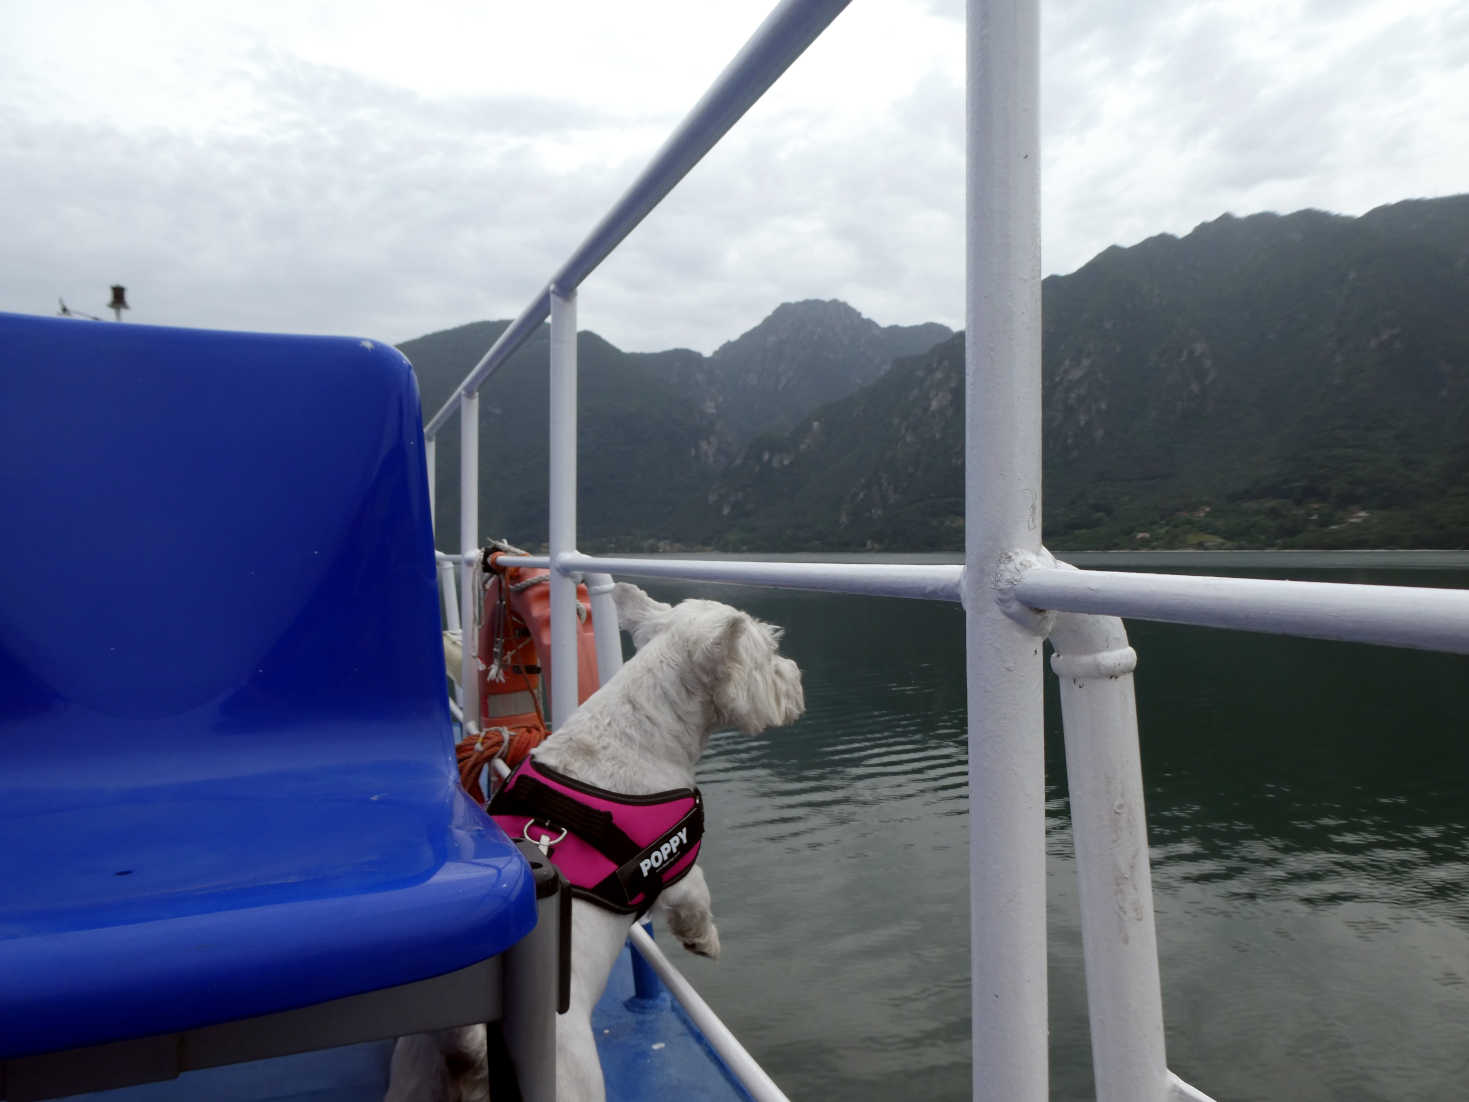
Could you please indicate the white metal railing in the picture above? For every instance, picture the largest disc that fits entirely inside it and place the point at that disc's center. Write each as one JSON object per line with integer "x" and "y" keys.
{"x": 1398, "y": 616}
{"x": 1006, "y": 582}
{"x": 937, "y": 582}
{"x": 779, "y": 40}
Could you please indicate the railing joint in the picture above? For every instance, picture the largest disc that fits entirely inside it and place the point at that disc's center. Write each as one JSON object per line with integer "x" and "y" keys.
{"x": 1011, "y": 568}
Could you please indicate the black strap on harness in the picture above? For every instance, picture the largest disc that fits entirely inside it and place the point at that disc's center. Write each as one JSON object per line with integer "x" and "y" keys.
{"x": 543, "y": 803}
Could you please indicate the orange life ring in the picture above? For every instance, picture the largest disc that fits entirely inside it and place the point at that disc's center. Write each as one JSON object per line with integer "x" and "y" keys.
{"x": 514, "y": 665}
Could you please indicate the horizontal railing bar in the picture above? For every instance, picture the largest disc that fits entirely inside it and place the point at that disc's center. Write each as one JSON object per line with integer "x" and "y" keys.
{"x": 542, "y": 561}
{"x": 1282, "y": 559}
{"x": 1425, "y": 619}
{"x": 777, "y": 42}
{"x": 1395, "y": 616}
{"x": 936, "y": 582}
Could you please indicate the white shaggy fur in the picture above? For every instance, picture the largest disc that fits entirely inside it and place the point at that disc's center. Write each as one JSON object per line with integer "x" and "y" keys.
{"x": 700, "y": 666}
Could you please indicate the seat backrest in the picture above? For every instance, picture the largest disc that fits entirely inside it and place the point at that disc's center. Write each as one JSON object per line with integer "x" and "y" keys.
{"x": 216, "y": 551}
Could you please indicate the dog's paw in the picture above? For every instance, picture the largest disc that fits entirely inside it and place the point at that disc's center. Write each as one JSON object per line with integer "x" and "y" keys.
{"x": 686, "y": 911}
{"x": 704, "y": 942}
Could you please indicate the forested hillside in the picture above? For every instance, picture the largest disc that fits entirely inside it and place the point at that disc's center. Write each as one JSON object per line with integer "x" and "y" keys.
{"x": 1269, "y": 381}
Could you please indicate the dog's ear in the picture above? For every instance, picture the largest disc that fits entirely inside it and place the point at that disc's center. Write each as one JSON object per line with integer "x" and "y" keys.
{"x": 754, "y": 687}
{"x": 638, "y": 614}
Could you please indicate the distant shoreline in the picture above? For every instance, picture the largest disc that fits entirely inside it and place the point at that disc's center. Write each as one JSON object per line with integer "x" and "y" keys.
{"x": 1423, "y": 559}
{"x": 1385, "y": 558}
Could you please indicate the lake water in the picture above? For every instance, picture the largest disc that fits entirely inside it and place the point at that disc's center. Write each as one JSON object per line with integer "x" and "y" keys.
{"x": 1308, "y": 811}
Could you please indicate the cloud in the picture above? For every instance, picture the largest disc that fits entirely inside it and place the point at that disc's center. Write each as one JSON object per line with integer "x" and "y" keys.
{"x": 802, "y": 207}
{"x": 1156, "y": 124}
{"x": 326, "y": 199}
{"x": 357, "y": 208}
{"x": 367, "y": 169}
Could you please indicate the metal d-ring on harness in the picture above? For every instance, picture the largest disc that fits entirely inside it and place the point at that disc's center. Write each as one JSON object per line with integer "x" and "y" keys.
{"x": 544, "y": 843}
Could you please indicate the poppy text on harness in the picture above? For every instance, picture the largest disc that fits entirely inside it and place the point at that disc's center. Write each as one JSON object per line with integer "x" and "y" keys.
{"x": 664, "y": 853}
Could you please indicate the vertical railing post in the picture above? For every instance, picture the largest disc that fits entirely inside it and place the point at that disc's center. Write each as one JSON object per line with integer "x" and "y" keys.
{"x": 451, "y": 594}
{"x": 430, "y": 459}
{"x": 604, "y": 622}
{"x": 1002, "y": 519}
{"x": 469, "y": 541}
{"x": 1105, "y": 777}
{"x": 563, "y": 503}
{"x": 647, "y": 990}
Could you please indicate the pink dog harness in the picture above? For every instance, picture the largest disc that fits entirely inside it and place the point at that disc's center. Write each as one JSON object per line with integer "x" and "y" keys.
{"x": 615, "y": 850}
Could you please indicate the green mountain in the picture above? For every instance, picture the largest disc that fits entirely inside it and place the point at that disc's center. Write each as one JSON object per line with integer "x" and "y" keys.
{"x": 644, "y": 448}
{"x": 655, "y": 427}
{"x": 1291, "y": 381}
{"x": 882, "y": 468}
{"x": 803, "y": 355}
{"x": 1297, "y": 380}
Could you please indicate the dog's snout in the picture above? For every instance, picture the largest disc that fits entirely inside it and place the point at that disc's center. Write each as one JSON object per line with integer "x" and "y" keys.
{"x": 796, "y": 695}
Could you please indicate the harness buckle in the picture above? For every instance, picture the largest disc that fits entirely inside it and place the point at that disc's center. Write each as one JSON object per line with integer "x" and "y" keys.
{"x": 545, "y": 843}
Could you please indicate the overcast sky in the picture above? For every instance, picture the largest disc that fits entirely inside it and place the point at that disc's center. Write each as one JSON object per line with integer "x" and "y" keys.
{"x": 390, "y": 169}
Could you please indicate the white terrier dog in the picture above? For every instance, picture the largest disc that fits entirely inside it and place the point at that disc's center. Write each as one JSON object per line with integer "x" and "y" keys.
{"x": 700, "y": 666}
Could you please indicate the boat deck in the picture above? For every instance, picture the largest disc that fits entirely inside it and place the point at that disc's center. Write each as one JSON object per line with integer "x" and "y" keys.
{"x": 649, "y": 1049}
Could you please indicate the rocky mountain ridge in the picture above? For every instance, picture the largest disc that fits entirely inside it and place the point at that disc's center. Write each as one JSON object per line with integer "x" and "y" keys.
{"x": 1275, "y": 380}
{"x": 656, "y": 428}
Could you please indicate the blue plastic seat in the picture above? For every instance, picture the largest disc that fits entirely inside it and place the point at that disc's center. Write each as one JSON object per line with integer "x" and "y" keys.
{"x": 227, "y": 784}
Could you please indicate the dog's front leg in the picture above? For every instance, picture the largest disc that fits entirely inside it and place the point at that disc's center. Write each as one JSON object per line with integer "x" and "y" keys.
{"x": 597, "y": 937}
{"x": 686, "y": 910}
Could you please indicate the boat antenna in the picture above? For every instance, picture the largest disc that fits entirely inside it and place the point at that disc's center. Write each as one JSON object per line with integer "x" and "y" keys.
{"x": 67, "y": 312}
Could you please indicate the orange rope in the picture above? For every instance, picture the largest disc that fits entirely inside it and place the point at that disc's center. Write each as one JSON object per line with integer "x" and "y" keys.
{"x": 474, "y": 752}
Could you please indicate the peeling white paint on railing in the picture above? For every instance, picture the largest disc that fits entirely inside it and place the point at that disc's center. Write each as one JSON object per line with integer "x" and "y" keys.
{"x": 1108, "y": 824}
{"x": 1002, "y": 509}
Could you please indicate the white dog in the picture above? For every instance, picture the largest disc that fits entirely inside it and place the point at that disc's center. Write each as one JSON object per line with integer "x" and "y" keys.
{"x": 700, "y": 666}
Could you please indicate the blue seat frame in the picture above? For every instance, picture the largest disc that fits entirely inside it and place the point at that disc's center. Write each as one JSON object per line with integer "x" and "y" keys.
{"x": 227, "y": 785}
